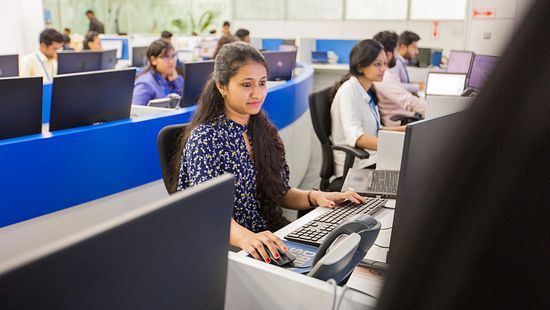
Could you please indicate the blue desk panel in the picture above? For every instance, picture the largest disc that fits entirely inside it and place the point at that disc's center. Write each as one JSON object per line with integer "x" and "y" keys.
{"x": 271, "y": 44}
{"x": 124, "y": 54}
{"x": 45, "y": 173}
{"x": 342, "y": 48}
{"x": 46, "y": 102}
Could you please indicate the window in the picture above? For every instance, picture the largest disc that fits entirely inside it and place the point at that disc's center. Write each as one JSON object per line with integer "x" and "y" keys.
{"x": 315, "y": 9}
{"x": 260, "y": 9}
{"x": 438, "y": 9}
{"x": 376, "y": 9}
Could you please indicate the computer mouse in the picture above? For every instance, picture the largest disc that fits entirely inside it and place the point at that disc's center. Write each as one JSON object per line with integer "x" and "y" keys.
{"x": 284, "y": 257}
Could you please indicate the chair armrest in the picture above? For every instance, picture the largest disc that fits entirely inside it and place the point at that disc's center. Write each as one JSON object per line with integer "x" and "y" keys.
{"x": 405, "y": 119}
{"x": 356, "y": 152}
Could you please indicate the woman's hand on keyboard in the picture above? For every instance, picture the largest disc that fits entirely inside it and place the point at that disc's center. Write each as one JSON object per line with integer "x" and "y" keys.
{"x": 330, "y": 199}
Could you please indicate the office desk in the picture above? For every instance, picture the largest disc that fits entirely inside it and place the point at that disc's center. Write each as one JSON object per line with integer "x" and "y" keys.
{"x": 328, "y": 74}
{"x": 252, "y": 284}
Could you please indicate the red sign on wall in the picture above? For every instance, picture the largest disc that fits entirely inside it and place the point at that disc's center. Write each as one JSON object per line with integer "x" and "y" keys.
{"x": 484, "y": 13}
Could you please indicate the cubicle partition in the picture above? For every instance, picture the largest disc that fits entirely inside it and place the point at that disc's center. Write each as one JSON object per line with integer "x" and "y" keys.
{"x": 47, "y": 172}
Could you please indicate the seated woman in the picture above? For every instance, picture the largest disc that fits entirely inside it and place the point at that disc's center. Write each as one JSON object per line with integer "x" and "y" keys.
{"x": 354, "y": 111}
{"x": 92, "y": 42}
{"x": 230, "y": 133}
{"x": 159, "y": 78}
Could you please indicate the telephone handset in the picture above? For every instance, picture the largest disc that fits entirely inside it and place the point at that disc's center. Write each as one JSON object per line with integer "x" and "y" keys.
{"x": 344, "y": 248}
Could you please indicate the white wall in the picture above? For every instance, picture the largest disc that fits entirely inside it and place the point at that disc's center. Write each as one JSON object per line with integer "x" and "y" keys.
{"x": 20, "y": 25}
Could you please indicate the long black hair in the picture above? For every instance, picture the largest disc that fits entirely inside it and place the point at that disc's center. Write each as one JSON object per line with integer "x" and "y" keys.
{"x": 269, "y": 153}
{"x": 363, "y": 54}
{"x": 88, "y": 38}
{"x": 158, "y": 48}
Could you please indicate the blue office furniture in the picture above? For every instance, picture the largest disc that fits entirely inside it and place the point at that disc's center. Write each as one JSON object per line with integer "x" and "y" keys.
{"x": 342, "y": 48}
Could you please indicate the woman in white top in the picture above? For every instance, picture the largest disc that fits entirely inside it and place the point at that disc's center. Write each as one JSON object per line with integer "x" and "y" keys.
{"x": 354, "y": 110}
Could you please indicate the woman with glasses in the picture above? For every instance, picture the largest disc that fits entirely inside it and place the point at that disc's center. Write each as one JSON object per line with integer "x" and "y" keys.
{"x": 159, "y": 77}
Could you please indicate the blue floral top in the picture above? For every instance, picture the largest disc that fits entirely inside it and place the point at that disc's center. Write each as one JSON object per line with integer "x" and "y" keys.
{"x": 216, "y": 148}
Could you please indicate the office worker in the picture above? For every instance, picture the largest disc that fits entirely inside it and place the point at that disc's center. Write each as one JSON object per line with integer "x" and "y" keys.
{"x": 354, "y": 111}
{"x": 243, "y": 35}
{"x": 230, "y": 133}
{"x": 167, "y": 36}
{"x": 394, "y": 99}
{"x": 226, "y": 28}
{"x": 407, "y": 50}
{"x": 159, "y": 77}
{"x": 95, "y": 24}
{"x": 92, "y": 42}
{"x": 42, "y": 62}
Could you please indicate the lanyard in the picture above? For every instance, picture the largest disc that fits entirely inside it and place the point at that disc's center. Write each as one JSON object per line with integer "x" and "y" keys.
{"x": 167, "y": 87}
{"x": 375, "y": 113}
{"x": 44, "y": 67}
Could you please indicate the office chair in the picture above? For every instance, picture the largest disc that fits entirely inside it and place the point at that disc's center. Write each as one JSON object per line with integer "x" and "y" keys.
{"x": 319, "y": 106}
{"x": 406, "y": 119}
{"x": 168, "y": 142}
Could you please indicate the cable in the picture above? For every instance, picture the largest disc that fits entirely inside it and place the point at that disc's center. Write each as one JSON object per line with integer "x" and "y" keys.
{"x": 342, "y": 297}
{"x": 385, "y": 228}
{"x": 335, "y": 285}
{"x": 381, "y": 246}
{"x": 388, "y": 207}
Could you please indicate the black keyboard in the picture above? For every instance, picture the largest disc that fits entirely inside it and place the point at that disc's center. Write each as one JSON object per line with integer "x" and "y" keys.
{"x": 384, "y": 181}
{"x": 315, "y": 231}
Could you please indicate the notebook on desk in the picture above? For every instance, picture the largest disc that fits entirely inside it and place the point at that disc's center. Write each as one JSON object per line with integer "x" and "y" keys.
{"x": 370, "y": 182}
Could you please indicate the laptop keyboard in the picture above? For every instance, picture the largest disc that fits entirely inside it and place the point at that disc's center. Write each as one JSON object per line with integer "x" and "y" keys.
{"x": 315, "y": 231}
{"x": 384, "y": 181}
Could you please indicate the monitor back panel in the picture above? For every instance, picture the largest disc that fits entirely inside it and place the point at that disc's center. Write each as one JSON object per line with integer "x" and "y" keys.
{"x": 73, "y": 62}
{"x": 21, "y": 106}
{"x": 481, "y": 68}
{"x": 88, "y": 98}
{"x": 108, "y": 59}
{"x": 460, "y": 62}
{"x": 9, "y": 65}
{"x": 281, "y": 65}
{"x": 196, "y": 75}
{"x": 139, "y": 56}
{"x": 445, "y": 84}
{"x": 172, "y": 257}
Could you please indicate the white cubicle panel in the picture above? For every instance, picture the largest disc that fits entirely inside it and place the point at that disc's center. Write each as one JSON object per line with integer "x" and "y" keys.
{"x": 437, "y": 106}
{"x": 390, "y": 150}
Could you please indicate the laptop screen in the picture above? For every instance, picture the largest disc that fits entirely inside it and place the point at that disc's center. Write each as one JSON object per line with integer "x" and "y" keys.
{"x": 481, "y": 68}
{"x": 445, "y": 84}
{"x": 460, "y": 62}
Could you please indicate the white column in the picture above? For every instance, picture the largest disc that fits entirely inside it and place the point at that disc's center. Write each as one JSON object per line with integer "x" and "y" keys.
{"x": 21, "y": 22}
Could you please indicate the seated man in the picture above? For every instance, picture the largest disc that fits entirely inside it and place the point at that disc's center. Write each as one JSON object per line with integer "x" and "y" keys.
{"x": 407, "y": 50}
{"x": 42, "y": 62}
{"x": 394, "y": 98}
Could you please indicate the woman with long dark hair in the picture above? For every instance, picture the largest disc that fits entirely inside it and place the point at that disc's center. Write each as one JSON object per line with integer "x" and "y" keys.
{"x": 159, "y": 78}
{"x": 92, "y": 42}
{"x": 354, "y": 111}
{"x": 230, "y": 133}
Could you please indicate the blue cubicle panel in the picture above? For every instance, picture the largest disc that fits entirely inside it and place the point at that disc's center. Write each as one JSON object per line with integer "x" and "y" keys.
{"x": 45, "y": 173}
{"x": 271, "y": 44}
{"x": 46, "y": 102}
{"x": 342, "y": 48}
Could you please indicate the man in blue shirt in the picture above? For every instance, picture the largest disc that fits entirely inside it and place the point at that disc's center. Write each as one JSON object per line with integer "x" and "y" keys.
{"x": 407, "y": 50}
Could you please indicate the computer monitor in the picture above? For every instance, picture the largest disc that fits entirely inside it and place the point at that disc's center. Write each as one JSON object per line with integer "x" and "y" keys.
{"x": 20, "y": 106}
{"x": 113, "y": 44}
{"x": 460, "y": 62}
{"x": 170, "y": 254}
{"x": 72, "y": 62}
{"x": 423, "y": 58}
{"x": 435, "y": 57}
{"x": 281, "y": 65}
{"x": 422, "y": 138}
{"x": 196, "y": 75}
{"x": 481, "y": 68}
{"x": 445, "y": 84}
{"x": 82, "y": 99}
{"x": 108, "y": 59}
{"x": 139, "y": 56}
{"x": 9, "y": 65}
{"x": 319, "y": 57}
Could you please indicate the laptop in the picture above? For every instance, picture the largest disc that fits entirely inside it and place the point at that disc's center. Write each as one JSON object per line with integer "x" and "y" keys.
{"x": 445, "y": 84}
{"x": 371, "y": 182}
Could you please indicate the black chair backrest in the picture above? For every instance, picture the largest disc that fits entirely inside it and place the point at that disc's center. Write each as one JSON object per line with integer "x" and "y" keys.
{"x": 168, "y": 142}
{"x": 319, "y": 107}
